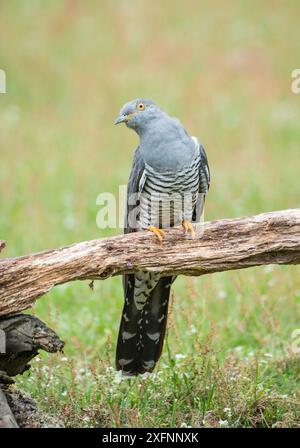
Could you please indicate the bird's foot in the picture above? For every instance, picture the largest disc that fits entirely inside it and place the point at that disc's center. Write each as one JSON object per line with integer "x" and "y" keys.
{"x": 188, "y": 227}
{"x": 160, "y": 234}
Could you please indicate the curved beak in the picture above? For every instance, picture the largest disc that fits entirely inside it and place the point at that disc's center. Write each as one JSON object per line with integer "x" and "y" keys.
{"x": 121, "y": 119}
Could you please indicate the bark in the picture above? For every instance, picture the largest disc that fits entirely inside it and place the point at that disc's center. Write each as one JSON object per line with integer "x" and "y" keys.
{"x": 26, "y": 412}
{"x": 21, "y": 337}
{"x": 268, "y": 238}
{"x": 7, "y": 420}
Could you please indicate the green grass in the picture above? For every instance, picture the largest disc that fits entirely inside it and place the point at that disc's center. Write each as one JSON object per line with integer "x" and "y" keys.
{"x": 228, "y": 358}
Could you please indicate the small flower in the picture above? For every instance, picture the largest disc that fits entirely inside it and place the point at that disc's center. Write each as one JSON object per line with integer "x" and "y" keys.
{"x": 222, "y": 294}
{"x": 223, "y": 423}
{"x": 227, "y": 411}
{"x": 185, "y": 425}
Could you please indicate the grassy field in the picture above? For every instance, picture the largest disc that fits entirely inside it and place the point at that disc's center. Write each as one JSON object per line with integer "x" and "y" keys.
{"x": 226, "y": 72}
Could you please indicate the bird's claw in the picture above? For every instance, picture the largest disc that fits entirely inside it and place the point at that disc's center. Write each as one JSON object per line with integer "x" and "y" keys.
{"x": 188, "y": 227}
{"x": 160, "y": 234}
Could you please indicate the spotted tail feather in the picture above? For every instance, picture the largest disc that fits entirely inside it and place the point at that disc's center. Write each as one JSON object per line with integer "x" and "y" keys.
{"x": 142, "y": 329}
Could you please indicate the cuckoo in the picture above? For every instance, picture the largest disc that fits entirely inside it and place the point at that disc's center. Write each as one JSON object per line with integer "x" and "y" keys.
{"x": 167, "y": 186}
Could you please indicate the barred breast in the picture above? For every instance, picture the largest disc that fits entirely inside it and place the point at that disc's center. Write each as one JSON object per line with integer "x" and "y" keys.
{"x": 168, "y": 197}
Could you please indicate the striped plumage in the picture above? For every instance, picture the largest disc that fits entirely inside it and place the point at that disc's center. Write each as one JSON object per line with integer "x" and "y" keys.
{"x": 168, "y": 185}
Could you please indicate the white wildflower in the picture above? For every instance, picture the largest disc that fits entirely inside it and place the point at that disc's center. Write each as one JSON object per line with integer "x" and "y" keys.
{"x": 222, "y": 294}
{"x": 193, "y": 329}
{"x": 227, "y": 411}
{"x": 185, "y": 425}
{"x": 223, "y": 423}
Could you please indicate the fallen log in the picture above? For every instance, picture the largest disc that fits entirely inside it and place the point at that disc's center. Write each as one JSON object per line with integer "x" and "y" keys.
{"x": 21, "y": 338}
{"x": 7, "y": 420}
{"x": 268, "y": 238}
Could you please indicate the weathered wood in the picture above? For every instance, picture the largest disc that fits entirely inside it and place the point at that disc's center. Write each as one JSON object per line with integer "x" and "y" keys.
{"x": 26, "y": 412}
{"x": 7, "y": 420}
{"x": 22, "y": 337}
{"x": 268, "y": 238}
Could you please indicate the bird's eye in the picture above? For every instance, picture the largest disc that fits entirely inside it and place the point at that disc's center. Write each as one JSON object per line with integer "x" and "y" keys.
{"x": 140, "y": 106}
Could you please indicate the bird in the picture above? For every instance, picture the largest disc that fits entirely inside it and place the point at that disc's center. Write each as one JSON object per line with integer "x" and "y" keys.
{"x": 168, "y": 163}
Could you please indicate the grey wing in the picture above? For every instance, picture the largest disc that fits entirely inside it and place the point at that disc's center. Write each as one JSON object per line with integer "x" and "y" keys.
{"x": 134, "y": 187}
{"x": 204, "y": 172}
{"x": 204, "y": 182}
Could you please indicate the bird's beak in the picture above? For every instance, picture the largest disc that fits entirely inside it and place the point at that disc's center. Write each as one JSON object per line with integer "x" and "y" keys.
{"x": 121, "y": 119}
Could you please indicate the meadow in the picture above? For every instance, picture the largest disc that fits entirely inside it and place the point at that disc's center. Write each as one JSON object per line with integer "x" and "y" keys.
{"x": 229, "y": 359}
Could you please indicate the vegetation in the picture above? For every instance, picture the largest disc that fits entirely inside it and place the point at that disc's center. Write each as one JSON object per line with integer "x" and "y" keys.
{"x": 230, "y": 359}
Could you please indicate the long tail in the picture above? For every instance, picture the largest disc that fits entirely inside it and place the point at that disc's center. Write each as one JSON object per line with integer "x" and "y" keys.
{"x": 142, "y": 328}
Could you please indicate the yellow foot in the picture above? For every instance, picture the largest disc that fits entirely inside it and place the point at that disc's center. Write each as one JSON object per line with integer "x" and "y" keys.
{"x": 188, "y": 227}
{"x": 158, "y": 232}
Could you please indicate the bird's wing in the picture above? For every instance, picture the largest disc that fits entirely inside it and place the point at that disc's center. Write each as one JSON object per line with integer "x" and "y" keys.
{"x": 204, "y": 181}
{"x": 135, "y": 186}
{"x": 204, "y": 171}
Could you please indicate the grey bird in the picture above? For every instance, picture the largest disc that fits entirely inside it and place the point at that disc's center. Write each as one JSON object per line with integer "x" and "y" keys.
{"x": 168, "y": 163}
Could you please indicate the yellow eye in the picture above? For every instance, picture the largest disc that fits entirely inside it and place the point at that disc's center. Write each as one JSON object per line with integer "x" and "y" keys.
{"x": 140, "y": 106}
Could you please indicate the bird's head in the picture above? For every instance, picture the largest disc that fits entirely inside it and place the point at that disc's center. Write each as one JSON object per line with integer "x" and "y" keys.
{"x": 138, "y": 113}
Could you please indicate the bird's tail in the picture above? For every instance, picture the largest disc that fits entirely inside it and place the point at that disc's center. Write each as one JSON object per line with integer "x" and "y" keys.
{"x": 142, "y": 331}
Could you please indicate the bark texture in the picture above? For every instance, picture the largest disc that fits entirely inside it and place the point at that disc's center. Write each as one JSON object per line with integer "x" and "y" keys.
{"x": 268, "y": 238}
{"x": 7, "y": 420}
{"x": 21, "y": 337}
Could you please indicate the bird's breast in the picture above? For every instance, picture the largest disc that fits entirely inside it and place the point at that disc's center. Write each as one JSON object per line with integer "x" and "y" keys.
{"x": 168, "y": 197}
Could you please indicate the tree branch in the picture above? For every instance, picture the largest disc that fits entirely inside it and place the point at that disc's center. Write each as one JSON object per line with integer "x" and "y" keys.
{"x": 269, "y": 238}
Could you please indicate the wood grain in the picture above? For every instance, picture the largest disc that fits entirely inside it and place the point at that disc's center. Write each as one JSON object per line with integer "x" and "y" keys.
{"x": 268, "y": 238}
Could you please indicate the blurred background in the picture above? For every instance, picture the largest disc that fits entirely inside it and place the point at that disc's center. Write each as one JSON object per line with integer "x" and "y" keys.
{"x": 225, "y": 70}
